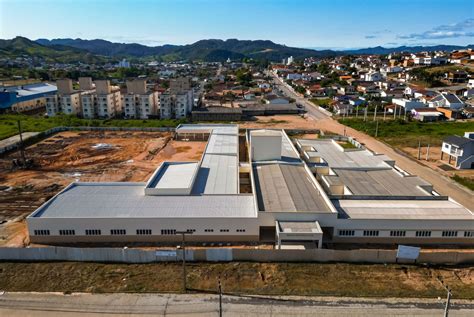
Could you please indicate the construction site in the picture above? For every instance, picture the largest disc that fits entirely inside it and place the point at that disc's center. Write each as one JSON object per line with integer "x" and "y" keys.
{"x": 66, "y": 157}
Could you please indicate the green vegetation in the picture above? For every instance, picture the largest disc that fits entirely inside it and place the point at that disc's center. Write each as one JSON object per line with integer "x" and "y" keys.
{"x": 347, "y": 145}
{"x": 8, "y": 123}
{"x": 323, "y": 102}
{"x": 340, "y": 279}
{"x": 467, "y": 182}
{"x": 409, "y": 133}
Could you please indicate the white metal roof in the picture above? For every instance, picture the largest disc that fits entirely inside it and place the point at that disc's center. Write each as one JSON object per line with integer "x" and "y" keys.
{"x": 403, "y": 209}
{"x": 175, "y": 175}
{"x": 337, "y": 158}
{"x": 124, "y": 200}
{"x": 32, "y": 89}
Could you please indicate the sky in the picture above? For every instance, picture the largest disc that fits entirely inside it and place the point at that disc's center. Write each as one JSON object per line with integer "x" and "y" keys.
{"x": 335, "y": 24}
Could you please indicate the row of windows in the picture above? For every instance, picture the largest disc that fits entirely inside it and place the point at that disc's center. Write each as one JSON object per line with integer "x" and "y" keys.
{"x": 98, "y": 232}
{"x": 403, "y": 233}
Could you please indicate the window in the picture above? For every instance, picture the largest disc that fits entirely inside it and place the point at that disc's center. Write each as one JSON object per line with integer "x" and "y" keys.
{"x": 449, "y": 233}
{"x": 208, "y": 230}
{"x": 371, "y": 233}
{"x": 143, "y": 232}
{"x": 398, "y": 233}
{"x": 41, "y": 232}
{"x": 468, "y": 234}
{"x": 67, "y": 232}
{"x": 346, "y": 232}
{"x": 423, "y": 233}
{"x": 168, "y": 231}
{"x": 93, "y": 232}
{"x": 191, "y": 230}
{"x": 240, "y": 230}
{"x": 118, "y": 232}
{"x": 224, "y": 230}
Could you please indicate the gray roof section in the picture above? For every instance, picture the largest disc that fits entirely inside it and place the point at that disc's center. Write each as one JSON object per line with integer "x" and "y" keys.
{"x": 287, "y": 188}
{"x": 337, "y": 158}
{"x": 457, "y": 140}
{"x": 219, "y": 171}
{"x": 124, "y": 200}
{"x": 299, "y": 226}
{"x": 380, "y": 183}
{"x": 218, "y": 175}
{"x": 403, "y": 209}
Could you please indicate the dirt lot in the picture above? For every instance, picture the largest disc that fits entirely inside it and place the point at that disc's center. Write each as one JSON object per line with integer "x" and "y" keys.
{"x": 434, "y": 161}
{"x": 82, "y": 156}
{"x": 279, "y": 121}
{"x": 238, "y": 277}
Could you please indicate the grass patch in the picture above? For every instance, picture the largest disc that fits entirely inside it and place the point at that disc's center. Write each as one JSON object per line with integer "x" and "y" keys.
{"x": 239, "y": 277}
{"x": 467, "y": 182}
{"x": 8, "y": 123}
{"x": 408, "y": 133}
{"x": 347, "y": 145}
{"x": 323, "y": 102}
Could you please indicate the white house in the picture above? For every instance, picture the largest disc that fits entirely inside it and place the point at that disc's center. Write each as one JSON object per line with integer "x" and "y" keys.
{"x": 373, "y": 76}
{"x": 408, "y": 104}
{"x": 461, "y": 148}
{"x": 446, "y": 100}
{"x": 293, "y": 76}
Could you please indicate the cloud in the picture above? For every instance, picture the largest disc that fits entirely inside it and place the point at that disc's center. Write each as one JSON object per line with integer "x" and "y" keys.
{"x": 460, "y": 29}
{"x": 370, "y": 36}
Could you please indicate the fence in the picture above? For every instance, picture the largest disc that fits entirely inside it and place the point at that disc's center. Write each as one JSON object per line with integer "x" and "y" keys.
{"x": 124, "y": 255}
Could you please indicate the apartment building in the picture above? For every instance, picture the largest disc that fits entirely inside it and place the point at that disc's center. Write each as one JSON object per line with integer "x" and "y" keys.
{"x": 109, "y": 103}
{"x": 178, "y": 101}
{"x": 140, "y": 102}
{"x": 70, "y": 101}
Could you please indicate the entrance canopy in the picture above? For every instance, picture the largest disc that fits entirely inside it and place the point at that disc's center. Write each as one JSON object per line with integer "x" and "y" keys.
{"x": 299, "y": 234}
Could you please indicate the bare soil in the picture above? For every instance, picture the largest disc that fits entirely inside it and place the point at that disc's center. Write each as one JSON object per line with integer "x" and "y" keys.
{"x": 74, "y": 156}
{"x": 244, "y": 278}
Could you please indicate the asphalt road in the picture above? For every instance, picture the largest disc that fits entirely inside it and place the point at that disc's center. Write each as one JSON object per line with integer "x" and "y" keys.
{"x": 56, "y": 304}
{"x": 311, "y": 109}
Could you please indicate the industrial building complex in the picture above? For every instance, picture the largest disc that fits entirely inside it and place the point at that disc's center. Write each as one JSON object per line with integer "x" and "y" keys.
{"x": 259, "y": 186}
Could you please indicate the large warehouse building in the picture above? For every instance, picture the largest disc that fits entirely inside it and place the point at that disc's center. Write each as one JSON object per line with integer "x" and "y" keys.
{"x": 257, "y": 188}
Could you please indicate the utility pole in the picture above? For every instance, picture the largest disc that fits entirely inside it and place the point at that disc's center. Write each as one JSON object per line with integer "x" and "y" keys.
{"x": 375, "y": 113}
{"x": 220, "y": 299}
{"x": 448, "y": 302}
{"x": 428, "y": 152}
{"x": 183, "y": 247}
{"x": 419, "y": 149}
{"x": 377, "y": 128}
{"x": 395, "y": 112}
{"x": 22, "y": 150}
{"x": 384, "y": 113}
{"x": 365, "y": 114}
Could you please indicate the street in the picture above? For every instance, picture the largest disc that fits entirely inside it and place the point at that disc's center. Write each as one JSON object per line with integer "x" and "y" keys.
{"x": 83, "y": 304}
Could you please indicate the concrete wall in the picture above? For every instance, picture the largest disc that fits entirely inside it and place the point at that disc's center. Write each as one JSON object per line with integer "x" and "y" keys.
{"x": 125, "y": 255}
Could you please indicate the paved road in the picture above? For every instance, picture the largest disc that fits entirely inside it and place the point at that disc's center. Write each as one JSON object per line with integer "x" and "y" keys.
{"x": 56, "y": 304}
{"x": 442, "y": 184}
{"x": 312, "y": 110}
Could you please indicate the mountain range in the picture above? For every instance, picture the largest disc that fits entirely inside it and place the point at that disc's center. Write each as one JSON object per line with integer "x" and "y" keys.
{"x": 91, "y": 51}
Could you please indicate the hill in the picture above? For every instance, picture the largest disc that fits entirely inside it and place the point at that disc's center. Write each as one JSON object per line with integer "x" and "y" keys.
{"x": 379, "y": 50}
{"x": 21, "y": 46}
{"x": 205, "y": 50}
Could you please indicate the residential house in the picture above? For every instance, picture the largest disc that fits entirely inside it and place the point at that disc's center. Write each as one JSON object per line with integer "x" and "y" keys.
{"x": 408, "y": 104}
{"x": 343, "y": 109}
{"x": 461, "y": 148}
{"x": 456, "y": 77}
{"x": 426, "y": 114}
{"x": 276, "y": 100}
{"x": 446, "y": 100}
